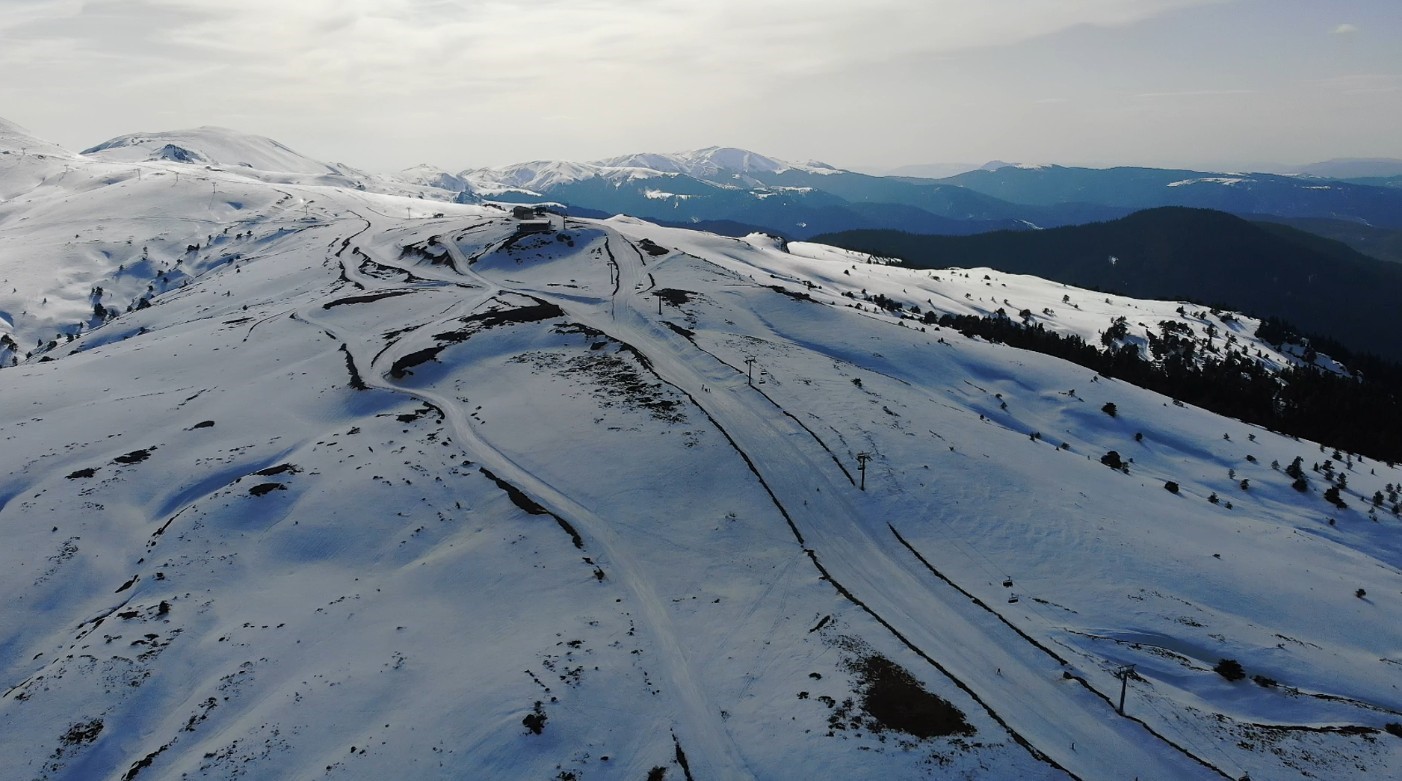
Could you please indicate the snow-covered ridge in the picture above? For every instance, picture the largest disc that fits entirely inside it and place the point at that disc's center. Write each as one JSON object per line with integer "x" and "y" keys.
{"x": 711, "y": 161}
{"x": 212, "y": 146}
{"x": 716, "y": 165}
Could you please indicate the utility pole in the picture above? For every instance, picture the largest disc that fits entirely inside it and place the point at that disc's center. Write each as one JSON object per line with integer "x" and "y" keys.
{"x": 1124, "y": 673}
{"x": 862, "y": 459}
{"x": 659, "y": 303}
{"x": 750, "y": 362}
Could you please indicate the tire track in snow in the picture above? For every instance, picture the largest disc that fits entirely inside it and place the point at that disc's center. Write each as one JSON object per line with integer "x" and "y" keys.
{"x": 698, "y": 721}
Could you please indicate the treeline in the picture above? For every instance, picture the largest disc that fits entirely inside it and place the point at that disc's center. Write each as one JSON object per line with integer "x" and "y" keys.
{"x": 1363, "y": 417}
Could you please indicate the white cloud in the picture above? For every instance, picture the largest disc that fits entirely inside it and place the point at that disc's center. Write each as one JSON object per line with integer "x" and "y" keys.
{"x": 1362, "y": 83}
{"x": 357, "y": 66}
{"x": 1345, "y": 29}
{"x": 1193, "y": 93}
{"x": 467, "y": 82}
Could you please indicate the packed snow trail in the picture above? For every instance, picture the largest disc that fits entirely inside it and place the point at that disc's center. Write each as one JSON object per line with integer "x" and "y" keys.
{"x": 847, "y": 540}
{"x": 699, "y": 725}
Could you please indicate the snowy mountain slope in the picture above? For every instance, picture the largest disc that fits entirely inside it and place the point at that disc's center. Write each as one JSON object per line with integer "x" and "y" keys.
{"x": 76, "y": 233}
{"x": 15, "y": 139}
{"x": 380, "y": 490}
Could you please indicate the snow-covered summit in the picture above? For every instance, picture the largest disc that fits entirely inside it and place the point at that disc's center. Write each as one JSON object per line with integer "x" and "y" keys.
{"x": 426, "y": 175}
{"x": 533, "y": 177}
{"x": 211, "y": 146}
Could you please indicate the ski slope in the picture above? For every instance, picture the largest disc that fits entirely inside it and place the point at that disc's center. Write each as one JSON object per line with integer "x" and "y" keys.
{"x": 378, "y": 487}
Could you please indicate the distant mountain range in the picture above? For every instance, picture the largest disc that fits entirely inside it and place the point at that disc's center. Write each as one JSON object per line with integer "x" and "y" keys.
{"x": 1143, "y": 188}
{"x": 736, "y": 191}
{"x": 1354, "y": 168}
{"x": 795, "y": 200}
{"x": 800, "y": 200}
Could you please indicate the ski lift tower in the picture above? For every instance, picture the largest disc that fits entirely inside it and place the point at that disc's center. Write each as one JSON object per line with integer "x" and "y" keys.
{"x": 1124, "y": 673}
{"x": 862, "y": 459}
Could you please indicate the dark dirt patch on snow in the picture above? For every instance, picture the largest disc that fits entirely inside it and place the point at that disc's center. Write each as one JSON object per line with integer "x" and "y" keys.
{"x": 134, "y": 457}
{"x": 892, "y": 699}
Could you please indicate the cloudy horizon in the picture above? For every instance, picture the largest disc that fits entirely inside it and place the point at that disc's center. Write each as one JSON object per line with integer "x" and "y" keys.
{"x": 385, "y": 84}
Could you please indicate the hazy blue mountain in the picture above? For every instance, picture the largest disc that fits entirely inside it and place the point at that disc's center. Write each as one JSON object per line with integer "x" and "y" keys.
{"x": 1354, "y": 168}
{"x": 1380, "y": 243}
{"x": 1143, "y": 188}
{"x": 1379, "y": 181}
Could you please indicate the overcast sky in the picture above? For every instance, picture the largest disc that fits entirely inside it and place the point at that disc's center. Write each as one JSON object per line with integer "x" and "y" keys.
{"x": 383, "y": 84}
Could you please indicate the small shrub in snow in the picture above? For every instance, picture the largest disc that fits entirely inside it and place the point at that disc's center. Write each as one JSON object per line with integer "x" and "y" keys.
{"x": 535, "y": 720}
{"x": 1171, "y": 487}
{"x": 1229, "y": 669}
{"x": 1109, "y": 408}
{"x": 1112, "y": 460}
